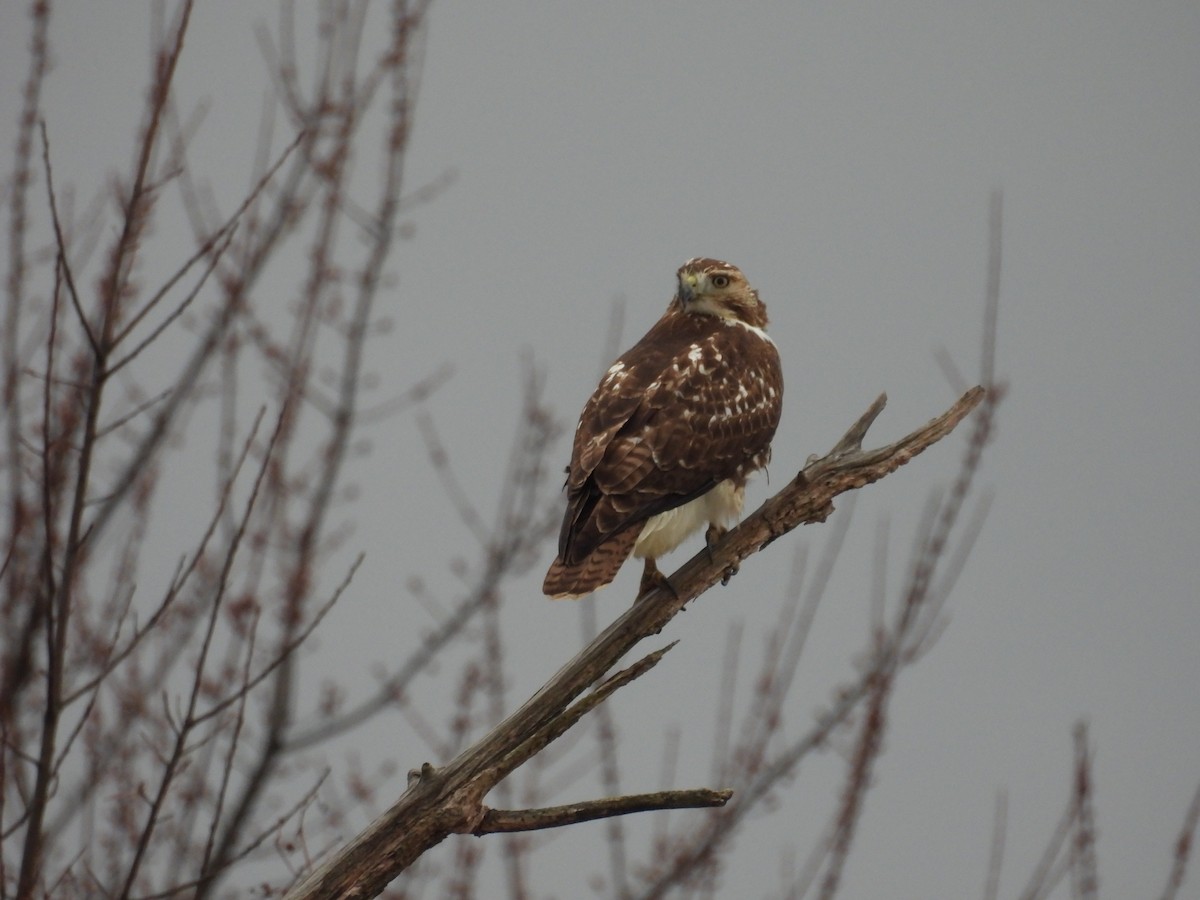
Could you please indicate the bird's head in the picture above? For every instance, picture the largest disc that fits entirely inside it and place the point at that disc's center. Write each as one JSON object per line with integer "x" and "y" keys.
{"x": 714, "y": 288}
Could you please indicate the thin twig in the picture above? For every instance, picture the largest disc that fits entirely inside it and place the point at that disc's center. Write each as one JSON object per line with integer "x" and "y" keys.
{"x": 1084, "y": 877}
{"x": 63, "y": 260}
{"x": 1183, "y": 848}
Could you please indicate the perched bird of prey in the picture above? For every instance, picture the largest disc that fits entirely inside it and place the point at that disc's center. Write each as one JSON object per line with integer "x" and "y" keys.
{"x": 667, "y": 441}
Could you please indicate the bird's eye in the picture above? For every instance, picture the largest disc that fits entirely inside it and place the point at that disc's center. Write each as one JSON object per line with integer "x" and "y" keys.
{"x": 720, "y": 281}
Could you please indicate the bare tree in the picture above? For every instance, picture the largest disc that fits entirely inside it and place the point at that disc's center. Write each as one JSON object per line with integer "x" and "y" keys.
{"x": 153, "y": 744}
{"x": 178, "y": 699}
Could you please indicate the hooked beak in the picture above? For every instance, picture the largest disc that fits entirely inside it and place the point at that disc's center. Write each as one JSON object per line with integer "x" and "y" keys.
{"x": 687, "y": 287}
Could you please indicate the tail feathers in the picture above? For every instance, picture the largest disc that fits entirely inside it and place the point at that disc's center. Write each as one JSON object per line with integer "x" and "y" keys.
{"x": 570, "y": 582}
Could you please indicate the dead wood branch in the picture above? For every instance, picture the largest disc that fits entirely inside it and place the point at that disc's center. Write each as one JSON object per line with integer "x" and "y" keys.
{"x": 441, "y": 802}
{"x": 496, "y": 821}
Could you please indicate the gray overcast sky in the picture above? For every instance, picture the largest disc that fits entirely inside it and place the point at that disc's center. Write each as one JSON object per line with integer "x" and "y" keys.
{"x": 842, "y": 155}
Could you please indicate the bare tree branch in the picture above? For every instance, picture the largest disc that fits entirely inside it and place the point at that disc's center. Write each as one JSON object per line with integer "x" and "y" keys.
{"x": 1084, "y": 880}
{"x": 450, "y": 800}
{"x": 505, "y": 820}
{"x": 1183, "y": 848}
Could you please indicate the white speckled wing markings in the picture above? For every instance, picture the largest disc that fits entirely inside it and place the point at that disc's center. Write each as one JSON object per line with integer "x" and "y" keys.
{"x": 691, "y": 407}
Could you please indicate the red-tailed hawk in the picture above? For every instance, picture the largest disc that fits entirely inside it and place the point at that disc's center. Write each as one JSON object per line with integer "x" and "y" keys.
{"x": 668, "y": 439}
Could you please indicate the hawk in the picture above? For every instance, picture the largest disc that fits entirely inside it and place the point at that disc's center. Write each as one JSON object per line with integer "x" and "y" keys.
{"x": 669, "y": 438}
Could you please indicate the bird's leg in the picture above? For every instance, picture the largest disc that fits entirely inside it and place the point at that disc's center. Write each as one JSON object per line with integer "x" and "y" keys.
{"x": 652, "y": 578}
{"x": 711, "y": 538}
